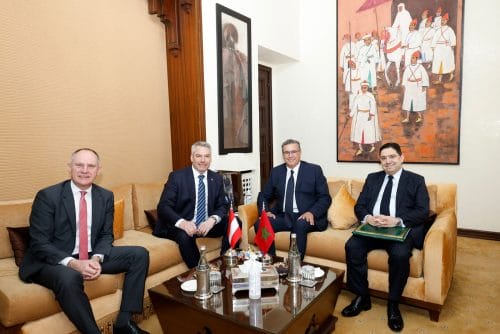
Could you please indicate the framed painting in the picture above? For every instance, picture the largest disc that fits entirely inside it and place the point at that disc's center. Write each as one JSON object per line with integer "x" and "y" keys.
{"x": 399, "y": 79}
{"x": 234, "y": 81}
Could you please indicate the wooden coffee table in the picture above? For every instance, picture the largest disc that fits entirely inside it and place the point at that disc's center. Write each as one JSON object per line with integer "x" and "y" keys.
{"x": 292, "y": 309}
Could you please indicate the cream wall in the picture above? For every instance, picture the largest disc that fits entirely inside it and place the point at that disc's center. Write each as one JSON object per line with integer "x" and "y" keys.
{"x": 81, "y": 73}
{"x": 304, "y": 101}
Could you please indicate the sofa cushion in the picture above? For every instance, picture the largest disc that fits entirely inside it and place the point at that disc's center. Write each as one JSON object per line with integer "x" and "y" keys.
{"x": 146, "y": 197}
{"x": 356, "y": 188}
{"x": 13, "y": 214}
{"x": 335, "y": 185}
{"x": 152, "y": 217}
{"x": 341, "y": 212}
{"x": 118, "y": 226}
{"x": 125, "y": 192}
{"x": 15, "y": 309}
{"x": 163, "y": 253}
{"x": 19, "y": 241}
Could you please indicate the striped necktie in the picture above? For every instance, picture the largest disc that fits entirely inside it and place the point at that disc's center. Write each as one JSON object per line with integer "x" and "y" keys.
{"x": 201, "y": 210}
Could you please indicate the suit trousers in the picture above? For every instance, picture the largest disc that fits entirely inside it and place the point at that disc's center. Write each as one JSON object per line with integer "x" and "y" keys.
{"x": 290, "y": 222}
{"x": 187, "y": 244}
{"x": 357, "y": 249}
{"x": 67, "y": 285}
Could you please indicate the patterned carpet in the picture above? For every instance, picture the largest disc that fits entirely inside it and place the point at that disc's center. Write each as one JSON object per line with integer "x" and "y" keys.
{"x": 472, "y": 306}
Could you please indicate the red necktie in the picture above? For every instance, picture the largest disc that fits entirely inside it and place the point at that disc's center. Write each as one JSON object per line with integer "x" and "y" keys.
{"x": 83, "y": 253}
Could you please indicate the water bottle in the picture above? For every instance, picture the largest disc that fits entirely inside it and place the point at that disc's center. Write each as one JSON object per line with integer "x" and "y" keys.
{"x": 255, "y": 313}
{"x": 203, "y": 277}
{"x": 293, "y": 260}
{"x": 254, "y": 279}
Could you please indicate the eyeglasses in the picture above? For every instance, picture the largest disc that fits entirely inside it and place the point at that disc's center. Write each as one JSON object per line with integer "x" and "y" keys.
{"x": 290, "y": 152}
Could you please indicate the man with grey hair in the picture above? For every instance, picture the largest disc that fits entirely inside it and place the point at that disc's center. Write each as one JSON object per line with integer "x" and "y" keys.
{"x": 193, "y": 205}
{"x": 299, "y": 193}
{"x": 71, "y": 230}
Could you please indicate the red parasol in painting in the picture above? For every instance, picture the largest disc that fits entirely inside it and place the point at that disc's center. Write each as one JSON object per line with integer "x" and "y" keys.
{"x": 368, "y": 4}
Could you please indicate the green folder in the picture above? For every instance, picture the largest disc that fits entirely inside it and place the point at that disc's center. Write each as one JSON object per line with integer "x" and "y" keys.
{"x": 396, "y": 233}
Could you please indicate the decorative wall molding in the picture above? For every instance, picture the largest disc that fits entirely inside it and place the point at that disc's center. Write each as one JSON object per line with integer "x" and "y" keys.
{"x": 186, "y": 87}
{"x": 169, "y": 12}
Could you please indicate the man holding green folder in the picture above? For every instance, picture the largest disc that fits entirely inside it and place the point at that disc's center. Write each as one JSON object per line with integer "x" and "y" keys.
{"x": 392, "y": 197}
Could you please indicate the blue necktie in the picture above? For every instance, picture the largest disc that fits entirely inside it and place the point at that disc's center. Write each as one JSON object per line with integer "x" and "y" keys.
{"x": 386, "y": 198}
{"x": 200, "y": 208}
{"x": 289, "y": 194}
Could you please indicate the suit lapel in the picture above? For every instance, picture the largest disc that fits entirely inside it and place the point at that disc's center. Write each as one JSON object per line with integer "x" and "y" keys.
{"x": 302, "y": 168}
{"x": 189, "y": 177}
{"x": 403, "y": 180}
{"x": 211, "y": 191}
{"x": 69, "y": 206}
{"x": 97, "y": 212}
{"x": 376, "y": 190}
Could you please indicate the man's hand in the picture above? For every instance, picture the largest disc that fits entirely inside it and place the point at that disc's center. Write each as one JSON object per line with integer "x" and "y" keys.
{"x": 308, "y": 217}
{"x": 90, "y": 269}
{"x": 206, "y": 226}
{"x": 188, "y": 226}
{"x": 382, "y": 221}
{"x": 271, "y": 215}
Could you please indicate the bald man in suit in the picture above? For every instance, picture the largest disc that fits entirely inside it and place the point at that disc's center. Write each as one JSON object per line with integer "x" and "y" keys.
{"x": 60, "y": 260}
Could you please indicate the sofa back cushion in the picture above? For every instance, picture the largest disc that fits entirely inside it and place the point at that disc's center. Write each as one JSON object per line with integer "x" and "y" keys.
{"x": 12, "y": 214}
{"x": 19, "y": 241}
{"x": 145, "y": 197}
{"x": 341, "y": 213}
{"x": 118, "y": 222}
{"x": 125, "y": 192}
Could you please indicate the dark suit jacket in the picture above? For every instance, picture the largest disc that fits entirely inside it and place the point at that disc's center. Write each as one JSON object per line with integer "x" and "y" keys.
{"x": 178, "y": 199}
{"x": 412, "y": 202}
{"x": 53, "y": 226}
{"x": 311, "y": 192}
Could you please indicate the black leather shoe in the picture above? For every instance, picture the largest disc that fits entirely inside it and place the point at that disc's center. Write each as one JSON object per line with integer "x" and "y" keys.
{"x": 394, "y": 318}
{"x": 130, "y": 328}
{"x": 357, "y": 305}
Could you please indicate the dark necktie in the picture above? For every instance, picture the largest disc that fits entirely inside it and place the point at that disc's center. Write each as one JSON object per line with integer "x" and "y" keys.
{"x": 200, "y": 208}
{"x": 386, "y": 198}
{"x": 83, "y": 249}
{"x": 289, "y": 194}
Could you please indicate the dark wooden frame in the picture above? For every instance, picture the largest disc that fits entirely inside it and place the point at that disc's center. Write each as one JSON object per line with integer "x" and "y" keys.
{"x": 229, "y": 142}
{"x": 436, "y": 139}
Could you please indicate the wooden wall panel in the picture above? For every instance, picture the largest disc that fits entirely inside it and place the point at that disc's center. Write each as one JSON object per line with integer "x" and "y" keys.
{"x": 183, "y": 24}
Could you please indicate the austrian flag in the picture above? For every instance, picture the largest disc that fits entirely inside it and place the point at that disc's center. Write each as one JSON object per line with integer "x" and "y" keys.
{"x": 233, "y": 229}
{"x": 265, "y": 234}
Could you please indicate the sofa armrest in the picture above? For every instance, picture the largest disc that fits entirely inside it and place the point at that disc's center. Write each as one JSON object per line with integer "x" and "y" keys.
{"x": 248, "y": 215}
{"x": 440, "y": 249}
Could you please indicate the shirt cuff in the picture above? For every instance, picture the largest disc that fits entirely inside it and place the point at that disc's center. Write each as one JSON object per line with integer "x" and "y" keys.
{"x": 177, "y": 223}
{"x": 66, "y": 260}
{"x": 217, "y": 218}
{"x": 100, "y": 256}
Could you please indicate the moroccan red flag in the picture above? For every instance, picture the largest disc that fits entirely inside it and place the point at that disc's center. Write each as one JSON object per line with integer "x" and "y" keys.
{"x": 265, "y": 234}
{"x": 233, "y": 229}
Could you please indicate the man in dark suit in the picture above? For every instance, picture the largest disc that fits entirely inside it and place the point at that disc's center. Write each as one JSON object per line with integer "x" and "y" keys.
{"x": 193, "y": 204}
{"x": 69, "y": 246}
{"x": 296, "y": 197}
{"x": 392, "y": 197}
